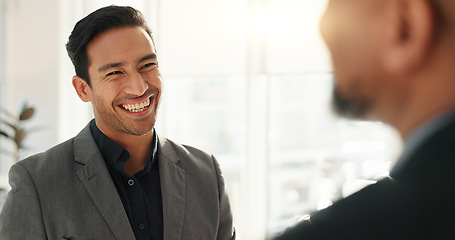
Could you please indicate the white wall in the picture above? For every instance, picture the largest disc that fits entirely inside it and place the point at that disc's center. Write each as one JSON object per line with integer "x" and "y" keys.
{"x": 33, "y": 64}
{"x": 32, "y": 67}
{"x": 38, "y": 71}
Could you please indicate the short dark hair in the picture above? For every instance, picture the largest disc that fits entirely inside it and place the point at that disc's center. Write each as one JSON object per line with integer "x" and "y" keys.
{"x": 94, "y": 24}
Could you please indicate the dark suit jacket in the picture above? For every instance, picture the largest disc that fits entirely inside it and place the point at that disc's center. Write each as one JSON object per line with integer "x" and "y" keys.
{"x": 67, "y": 193}
{"x": 416, "y": 202}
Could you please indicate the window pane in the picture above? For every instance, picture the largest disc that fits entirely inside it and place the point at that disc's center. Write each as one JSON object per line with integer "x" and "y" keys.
{"x": 209, "y": 113}
{"x": 316, "y": 157}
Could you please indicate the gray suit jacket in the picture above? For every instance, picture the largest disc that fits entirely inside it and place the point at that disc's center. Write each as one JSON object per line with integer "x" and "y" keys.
{"x": 67, "y": 193}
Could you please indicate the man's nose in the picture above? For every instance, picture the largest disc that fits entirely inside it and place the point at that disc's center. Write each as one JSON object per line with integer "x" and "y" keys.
{"x": 136, "y": 85}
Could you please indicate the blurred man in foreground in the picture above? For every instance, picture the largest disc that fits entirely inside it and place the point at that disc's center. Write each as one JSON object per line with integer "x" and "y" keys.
{"x": 394, "y": 61}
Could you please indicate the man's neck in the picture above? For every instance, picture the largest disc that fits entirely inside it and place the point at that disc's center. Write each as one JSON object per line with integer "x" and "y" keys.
{"x": 422, "y": 105}
{"x": 138, "y": 147}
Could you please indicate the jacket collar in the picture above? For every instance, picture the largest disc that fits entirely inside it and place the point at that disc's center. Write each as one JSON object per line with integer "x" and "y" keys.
{"x": 95, "y": 177}
{"x": 173, "y": 189}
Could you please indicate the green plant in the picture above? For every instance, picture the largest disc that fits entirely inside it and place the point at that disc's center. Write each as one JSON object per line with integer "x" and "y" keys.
{"x": 15, "y": 130}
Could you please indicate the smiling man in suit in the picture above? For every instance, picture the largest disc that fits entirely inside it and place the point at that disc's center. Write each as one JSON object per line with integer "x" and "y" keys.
{"x": 117, "y": 179}
{"x": 394, "y": 62}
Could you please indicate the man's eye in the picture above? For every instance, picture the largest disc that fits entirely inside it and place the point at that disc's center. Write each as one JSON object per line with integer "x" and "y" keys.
{"x": 113, "y": 73}
{"x": 148, "y": 65}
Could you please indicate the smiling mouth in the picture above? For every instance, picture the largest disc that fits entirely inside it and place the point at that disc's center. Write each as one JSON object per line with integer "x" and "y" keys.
{"x": 138, "y": 107}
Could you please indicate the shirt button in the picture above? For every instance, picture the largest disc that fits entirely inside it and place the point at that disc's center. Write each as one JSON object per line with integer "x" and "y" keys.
{"x": 131, "y": 182}
{"x": 141, "y": 226}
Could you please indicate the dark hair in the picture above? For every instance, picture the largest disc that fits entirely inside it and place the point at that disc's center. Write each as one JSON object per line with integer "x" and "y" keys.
{"x": 94, "y": 24}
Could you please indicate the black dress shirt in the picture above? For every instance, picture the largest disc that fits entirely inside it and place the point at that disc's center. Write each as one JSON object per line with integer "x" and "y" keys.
{"x": 141, "y": 193}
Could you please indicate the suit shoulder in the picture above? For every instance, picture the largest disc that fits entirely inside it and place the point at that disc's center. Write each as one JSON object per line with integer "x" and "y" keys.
{"x": 51, "y": 157}
{"x": 190, "y": 158}
{"x": 187, "y": 150}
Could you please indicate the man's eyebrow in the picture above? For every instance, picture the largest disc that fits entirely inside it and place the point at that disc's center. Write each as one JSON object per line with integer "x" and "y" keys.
{"x": 148, "y": 57}
{"x": 119, "y": 64}
{"x": 110, "y": 65}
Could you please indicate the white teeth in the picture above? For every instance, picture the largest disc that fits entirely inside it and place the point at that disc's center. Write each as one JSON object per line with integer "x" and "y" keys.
{"x": 138, "y": 107}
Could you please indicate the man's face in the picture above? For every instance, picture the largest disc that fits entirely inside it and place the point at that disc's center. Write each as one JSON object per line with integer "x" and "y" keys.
{"x": 125, "y": 81}
{"x": 352, "y": 31}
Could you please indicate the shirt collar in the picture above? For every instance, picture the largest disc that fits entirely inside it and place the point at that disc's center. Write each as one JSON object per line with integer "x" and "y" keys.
{"x": 116, "y": 156}
{"x": 420, "y": 135}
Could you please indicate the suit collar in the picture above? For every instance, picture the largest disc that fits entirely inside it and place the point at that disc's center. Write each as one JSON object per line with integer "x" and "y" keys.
{"x": 426, "y": 131}
{"x": 96, "y": 179}
{"x": 167, "y": 149}
{"x": 173, "y": 189}
{"x": 430, "y": 154}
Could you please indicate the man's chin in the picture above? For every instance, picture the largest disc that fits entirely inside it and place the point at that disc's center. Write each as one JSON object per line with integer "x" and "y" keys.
{"x": 348, "y": 108}
{"x": 137, "y": 127}
{"x": 137, "y": 131}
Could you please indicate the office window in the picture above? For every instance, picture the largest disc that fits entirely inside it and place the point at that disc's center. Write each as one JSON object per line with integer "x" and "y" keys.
{"x": 209, "y": 113}
{"x": 316, "y": 157}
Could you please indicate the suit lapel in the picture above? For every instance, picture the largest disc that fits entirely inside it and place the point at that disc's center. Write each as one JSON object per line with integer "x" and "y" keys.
{"x": 96, "y": 179}
{"x": 173, "y": 190}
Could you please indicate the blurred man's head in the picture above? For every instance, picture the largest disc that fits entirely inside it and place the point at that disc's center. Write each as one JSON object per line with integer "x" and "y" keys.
{"x": 390, "y": 56}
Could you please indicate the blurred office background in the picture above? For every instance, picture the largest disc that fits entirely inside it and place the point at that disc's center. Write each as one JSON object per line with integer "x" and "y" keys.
{"x": 247, "y": 80}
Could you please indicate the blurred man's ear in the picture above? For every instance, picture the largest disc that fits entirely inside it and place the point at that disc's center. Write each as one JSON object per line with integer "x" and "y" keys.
{"x": 410, "y": 33}
{"x": 82, "y": 88}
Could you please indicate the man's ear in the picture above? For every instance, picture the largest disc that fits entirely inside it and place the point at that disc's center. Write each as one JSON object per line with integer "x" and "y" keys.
{"x": 82, "y": 88}
{"x": 410, "y": 35}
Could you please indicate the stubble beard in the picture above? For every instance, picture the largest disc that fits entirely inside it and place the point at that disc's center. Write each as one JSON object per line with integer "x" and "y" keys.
{"x": 136, "y": 131}
{"x": 117, "y": 124}
{"x": 349, "y": 107}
